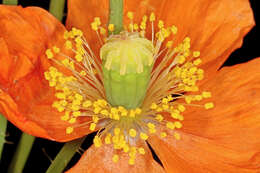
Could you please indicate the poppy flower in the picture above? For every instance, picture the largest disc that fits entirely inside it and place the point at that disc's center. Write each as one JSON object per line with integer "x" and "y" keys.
{"x": 62, "y": 85}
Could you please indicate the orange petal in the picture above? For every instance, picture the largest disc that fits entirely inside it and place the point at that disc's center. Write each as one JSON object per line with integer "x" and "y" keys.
{"x": 193, "y": 154}
{"x": 80, "y": 15}
{"x": 99, "y": 160}
{"x": 21, "y": 46}
{"x": 25, "y": 97}
{"x": 225, "y": 138}
{"x": 29, "y": 100}
{"x": 216, "y": 28}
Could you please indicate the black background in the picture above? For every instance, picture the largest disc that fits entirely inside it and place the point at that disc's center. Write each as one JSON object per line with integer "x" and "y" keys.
{"x": 44, "y": 150}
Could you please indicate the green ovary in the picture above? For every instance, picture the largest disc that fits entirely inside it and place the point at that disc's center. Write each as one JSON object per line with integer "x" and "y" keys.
{"x": 127, "y": 61}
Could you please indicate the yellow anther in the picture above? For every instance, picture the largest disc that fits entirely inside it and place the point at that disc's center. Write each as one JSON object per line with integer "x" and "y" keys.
{"x": 198, "y": 97}
{"x": 196, "y": 54}
{"x": 181, "y": 59}
{"x": 152, "y": 17}
{"x": 116, "y": 116}
{"x": 152, "y": 130}
{"x": 115, "y": 158}
{"x": 60, "y": 95}
{"x": 132, "y": 114}
{"x": 60, "y": 109}
{"x": 132, "y": 133}
{"x": 159, "y": 109}
{"x": 130, "y": 15}
{"x": 174, "y": 115}
{"x": 153, "y": 106}
{"x": 131, "y": 161}
{"x": 103, "y": 31}
{"x": 143, "y": 26}
{"x": 76, "y": 113}
{"x": 97, "y": 141}
{"x": 108, "y": 139}
{"x": 192, "y": 70}
{"x": 69, "y": 130}
{"x": 111, "y": 27}
{"x": 177, "y": 136}
{"x": 141, "y": 150}
{"x": 68, "y": 44}
{"x": 95, "y": 119}
{"x": 124, "y": 113}
{"x": 138, "y": 111}
{"x": 49, "y": 54}
{"x": 131, "y": 27}
{"x": 66, "y": 35}
{"x": 136, "y": 27}
{"x": 92, "y": 126}
{"x": 165, "y": 101}
{"x": 116, "y": 131}
{"x": 170, "y": 125}
{"x": 64, "y": 118}
{"x": 181, "y": 108}
{"x": 97, "y": 110}
{"x": 209, "y": 105}
{"x": 87, "y": 104}
{"x": 170, "y": 98}
{"x": 178, "y": 124}
{"x": 197, "y": 61}
{"x": 132, "y": 152}
{"x": 47, "y": 75}
{"x": 102, "y": 102}
{"x": 200, "y": 71}
{"x": 163, "y": 134}
{"x": 79, "y": 57}
{"x": 144, "y": 19}
{"x": 206, "y": 94}
{"x": 94, "y": 26}
{"x": 169, "y": 44}
{"x": 79, "y": 97}
{"x": 126, "y": 148}
{"x": 56, "y": 49}
{"x": 72, "y": 120}
{"x": 186, "y": 39}
{"x": 143, "y": 136}
{"x": 97, "y": 20}
{"x": 159, "y": 117}
{"x": 174, "y": 29}
{"x": 76, "y": 32}
{"x": 150, "y": 125}
{"x": 104, "y": 112}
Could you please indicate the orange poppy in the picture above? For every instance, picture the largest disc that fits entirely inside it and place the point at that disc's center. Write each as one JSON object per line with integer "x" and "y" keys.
{"x": 222, "y": 139}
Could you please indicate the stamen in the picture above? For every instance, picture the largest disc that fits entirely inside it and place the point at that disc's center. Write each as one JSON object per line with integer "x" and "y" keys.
{"x": 79, "y": 84}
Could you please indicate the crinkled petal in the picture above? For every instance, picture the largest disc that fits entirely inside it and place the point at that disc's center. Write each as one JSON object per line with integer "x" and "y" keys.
{"x": 99, "y": 160}
{"x": 216, "y": 28}
{"x": 25, "y": 97}
{"x": 193, "y": 154}
{"x": 81, "y": 14}
{"x": 225, "y": 138}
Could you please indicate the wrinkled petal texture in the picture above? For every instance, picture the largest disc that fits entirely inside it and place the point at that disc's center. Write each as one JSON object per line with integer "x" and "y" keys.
{"x": 80, "y": 15}
{"x": 99, "y": 160}
{"x": 216, "y": 28}
{"x": 222, "y": 139}
{"x": 25, "y": 97}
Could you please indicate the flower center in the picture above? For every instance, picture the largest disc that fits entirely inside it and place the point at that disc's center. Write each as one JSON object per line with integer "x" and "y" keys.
{"x": 125, "y": 98}
{"x": 127, "y": 64}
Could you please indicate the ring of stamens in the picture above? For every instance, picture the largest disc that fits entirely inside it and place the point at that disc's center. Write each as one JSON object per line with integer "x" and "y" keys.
{"x": 78, "y": 81}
